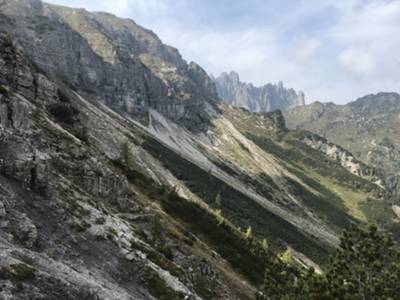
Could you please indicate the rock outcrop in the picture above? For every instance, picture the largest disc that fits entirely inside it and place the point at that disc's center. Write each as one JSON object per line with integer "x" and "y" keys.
{"x": 343, "y": 157}
{"x": 367, "y": 127}
{"x": 257, "y": 99}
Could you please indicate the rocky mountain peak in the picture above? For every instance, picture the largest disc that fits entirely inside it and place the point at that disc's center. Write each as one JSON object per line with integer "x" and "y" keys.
{"x": 377, "y": 103}
{"x": 280, "y": 86}
{"x": 257, "y": 99}
{"x": 114, "y": 60}
{"x": 234, "y": 77}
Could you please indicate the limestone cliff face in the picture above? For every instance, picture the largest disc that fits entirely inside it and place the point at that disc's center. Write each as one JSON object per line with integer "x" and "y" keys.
{"x": 114, "y": 60}
{"x": 342, "y": 156}
{"x": 257, "y": 99}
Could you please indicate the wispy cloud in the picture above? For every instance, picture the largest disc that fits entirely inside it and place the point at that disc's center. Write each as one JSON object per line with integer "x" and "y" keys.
{"x": 370, "y": 38}
{"x": 139, "y": 7}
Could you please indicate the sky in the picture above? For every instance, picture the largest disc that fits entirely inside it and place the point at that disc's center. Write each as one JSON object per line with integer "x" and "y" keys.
{"x": 333, "y": 50}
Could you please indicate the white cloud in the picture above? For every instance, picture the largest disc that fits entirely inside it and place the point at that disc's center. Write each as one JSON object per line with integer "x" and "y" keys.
{"x": 358, "y": 62}
{"x": 138, "y": 7}
{"x": 369, "y": 36}
{"x": 122, "y": 8}
{"x": 306, "y": 50}
{"x": 219, "y": 51}
{"x": 254, "y": 53}
{"x": 117, "y": 7}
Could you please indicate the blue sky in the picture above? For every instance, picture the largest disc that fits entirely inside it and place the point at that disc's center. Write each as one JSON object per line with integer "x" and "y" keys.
{"x": 332, "y": 50}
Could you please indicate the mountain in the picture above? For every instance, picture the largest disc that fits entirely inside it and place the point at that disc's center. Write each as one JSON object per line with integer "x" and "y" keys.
{"x": 126, "y": 65}
{"x": 257, "y": 99}
{"x": 123, "y": 176}
{"x": 367, "y": 127}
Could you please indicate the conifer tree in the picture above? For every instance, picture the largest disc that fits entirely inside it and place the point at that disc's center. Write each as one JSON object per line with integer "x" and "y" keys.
{"x": 249, "y": 233}
{"x": 366, "y": 267}
{"x": 264, "y": 244}
{"x": 218, "y": 200}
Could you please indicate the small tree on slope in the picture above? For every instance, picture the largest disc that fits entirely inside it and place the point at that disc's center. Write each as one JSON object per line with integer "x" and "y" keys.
{"x": 366, "y": 267}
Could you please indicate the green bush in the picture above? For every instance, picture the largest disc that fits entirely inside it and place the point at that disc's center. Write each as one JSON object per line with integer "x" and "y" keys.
{"x": 366, "y": 267}
{"x": 8, "y": 40}
{"x": 237, "y": 207}
{"x": 159, "y": 289}
{"x": 246, "y": 255}
{"x": 63, "y": 96}
{"x": 17, "y": 272}
{"x": 100, "y": 221}
{"x": 63, "y": 112}
{"x": 4, "y": 91}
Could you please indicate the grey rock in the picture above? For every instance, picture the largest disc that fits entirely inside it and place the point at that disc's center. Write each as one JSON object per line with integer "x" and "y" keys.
{"x": 64, "y": 199}
{"x": 24, "y": 230}
{"x": 126, "y": 65}
{"x": 2, "y": 210}
{"x": 343, "y": 157}
{"x": 257, "y": 99}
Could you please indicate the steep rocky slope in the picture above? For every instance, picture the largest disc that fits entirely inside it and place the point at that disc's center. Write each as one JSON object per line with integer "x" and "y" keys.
{"x": 80, "y": 204}
{"x": 256, "y": 99}
{"x": 104, "y": 196}
{"x": 368, "y": 127}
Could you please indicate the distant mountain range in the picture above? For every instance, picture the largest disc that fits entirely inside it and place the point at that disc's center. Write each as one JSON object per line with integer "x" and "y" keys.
{"x": 368, "y": 127}
{"x": 266, "y": 98}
